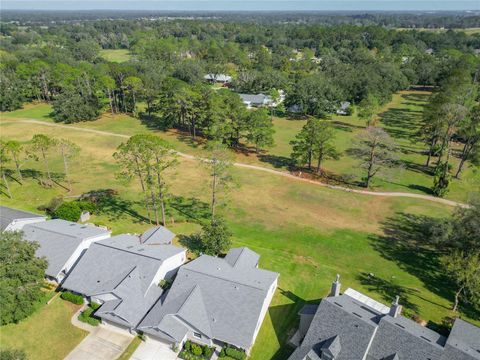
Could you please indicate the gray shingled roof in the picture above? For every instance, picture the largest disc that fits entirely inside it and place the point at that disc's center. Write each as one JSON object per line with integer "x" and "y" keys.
{"x": 125, "y": 268}
{"x": 8, "y": 215}
{"x": 220, "y": 300}
{"x": 58, "y": 240}
{"x": 255, "y": 99}
{"x": 360, "y": 328}
{"x": 157, "y": 235}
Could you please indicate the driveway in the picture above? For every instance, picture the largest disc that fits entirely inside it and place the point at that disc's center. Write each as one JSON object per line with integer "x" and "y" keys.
{"x": 153, "y": 350}
{"x": 102, "y": 343}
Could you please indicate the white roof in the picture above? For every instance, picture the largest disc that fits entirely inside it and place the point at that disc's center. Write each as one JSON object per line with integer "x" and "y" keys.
{"x": 367, "y": 301}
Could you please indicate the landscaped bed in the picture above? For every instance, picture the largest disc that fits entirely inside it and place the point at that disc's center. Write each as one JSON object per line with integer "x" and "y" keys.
{"x": 87, "y": 316}
{"x": 193, "y": 351}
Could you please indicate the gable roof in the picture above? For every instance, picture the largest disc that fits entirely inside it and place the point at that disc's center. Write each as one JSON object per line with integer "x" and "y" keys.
{"x": 157, "y": 235}
{"x": 257, "y": 99}
{"x": 123, "y": 267}
{"x": 215, "y": 298}
{"x": 9, "y": 215}
{"x": 366, "y": 331}
{"x": 58, "y": 240}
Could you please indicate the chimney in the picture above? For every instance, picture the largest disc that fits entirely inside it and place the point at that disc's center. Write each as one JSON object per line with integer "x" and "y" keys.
{"x": 395, "y": 309}
{"x": 335, "y": 291}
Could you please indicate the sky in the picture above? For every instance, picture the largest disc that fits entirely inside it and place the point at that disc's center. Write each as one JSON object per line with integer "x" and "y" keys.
{"x": 245, "y": 5}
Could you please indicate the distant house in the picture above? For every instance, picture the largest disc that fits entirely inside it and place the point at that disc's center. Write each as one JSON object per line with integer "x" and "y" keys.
{"x": 354, "y": 326}
{"x": 219, "y": 78}
{"x": 343, "y": 109}
{"x": 429, "y": 51}
{"x": 123, "y": 274}
{"x": 295, "y": 109}
{"x": 256, "y": 100}
{"x": 15, "y": 220}
{"x": 62, "y": 243}
{"x": 214, "y": 301}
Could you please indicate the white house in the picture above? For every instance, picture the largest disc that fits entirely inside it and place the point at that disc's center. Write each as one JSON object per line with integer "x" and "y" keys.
{"x": 62, "y": 243}
{"x": 15, "y": 220}
{"x": 123, "y": 274}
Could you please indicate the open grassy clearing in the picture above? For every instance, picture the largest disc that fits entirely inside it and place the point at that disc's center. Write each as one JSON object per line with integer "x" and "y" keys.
{"x": 47, "y": 334}
{"x": 116, "y": 55}
{"x": 401, "y": 118}
{"x": 305, "y": 232}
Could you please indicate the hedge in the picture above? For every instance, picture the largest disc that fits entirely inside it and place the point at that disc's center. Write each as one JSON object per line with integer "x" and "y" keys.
{"x": 69, "y": 211}
{"x": 229, "y": 352}
{"x": 87, "y": 316}
{"x": 73, "y": 298}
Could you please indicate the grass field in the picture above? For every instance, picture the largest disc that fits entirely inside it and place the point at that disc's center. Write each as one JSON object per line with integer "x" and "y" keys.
{"x": 305, "y": 232}
{"x": 45, "y": 335}
{"x": 116, "y": 55}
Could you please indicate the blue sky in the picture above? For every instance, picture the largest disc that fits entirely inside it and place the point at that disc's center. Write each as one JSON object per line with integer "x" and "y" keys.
{"x": 236, "y": 5}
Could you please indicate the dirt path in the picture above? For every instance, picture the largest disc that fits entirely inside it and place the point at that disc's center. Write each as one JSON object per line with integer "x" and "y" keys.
{"x": 271, "y": 171}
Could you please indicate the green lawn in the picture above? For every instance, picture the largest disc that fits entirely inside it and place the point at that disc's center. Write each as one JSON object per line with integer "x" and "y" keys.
{"x": 47, "y": 334}
{"x": 401, "y": 118}
{"x": 130, "y": 349}
{"x": 116, "y": 55}
{"x": 305, "y": 232}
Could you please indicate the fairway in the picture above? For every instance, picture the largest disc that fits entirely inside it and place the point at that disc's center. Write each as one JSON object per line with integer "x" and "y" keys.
{"x": 116, "y": 55}
{"x": 305, "y": 232}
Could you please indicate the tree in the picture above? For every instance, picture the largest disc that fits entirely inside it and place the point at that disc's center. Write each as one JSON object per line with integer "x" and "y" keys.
{"x": 215, "y": 237}
{"x": 15, "y": 148}
{"x": 68, "y": 150}
{"x": 72, "y": 106}
{"x": 314, "y": 141}
{"x": 42, "y": 144}
{"x": 129, "y": 157}
{"x": 464, "y": 270}
{"x": 4, "y": 159}
{"x": 367, "y": 109}
{"x": 375, "y": 150}
{"x": 219, "y": 165}
{"x": 470, "y": 133}
{"x": 441, "y": 179}
{"x": 21, "y": 277}
{"x": 260, "y": 129}
{"x": 133, "y": 86}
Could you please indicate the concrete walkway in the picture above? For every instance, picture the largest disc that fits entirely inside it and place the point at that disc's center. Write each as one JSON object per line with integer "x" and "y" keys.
{"x": 153, "y": 350}
{"x": 271, "y": 171}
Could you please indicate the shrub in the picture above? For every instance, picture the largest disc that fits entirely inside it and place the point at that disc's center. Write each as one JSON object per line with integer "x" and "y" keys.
{"x": 87, "y": 316}
{"x": 207, "y": 351}
{"x": 12, "y": 354}
{"x": 165, "y": 284}
{"x": 95, "y": 306}
{"x": 188, "y": 345}
{"x": 196, "y": 349}
{"x": 236, "y": 354}
{"x": 86, "y": 205}
{"x": 68, "y": 211}
{"x": 52, "y": 206}
{"x": 73, "y": 298}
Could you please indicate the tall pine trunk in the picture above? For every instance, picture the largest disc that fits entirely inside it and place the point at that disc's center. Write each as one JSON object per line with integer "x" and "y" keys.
{"x": 17, "y": 166}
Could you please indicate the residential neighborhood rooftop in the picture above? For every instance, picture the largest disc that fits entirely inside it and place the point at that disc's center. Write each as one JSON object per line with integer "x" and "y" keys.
{"x": 157, "y": 235}
{"x": 9, "y": 215}
{"x": 221, "y": 298}
{"x": 362, "y": 331}
{"x": 59, "y": 240}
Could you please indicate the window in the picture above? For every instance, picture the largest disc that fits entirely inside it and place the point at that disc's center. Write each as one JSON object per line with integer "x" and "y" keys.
{"x": 197, "y": 335}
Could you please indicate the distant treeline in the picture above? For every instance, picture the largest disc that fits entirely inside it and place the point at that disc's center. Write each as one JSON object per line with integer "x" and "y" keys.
{"x": 443, "y": 19}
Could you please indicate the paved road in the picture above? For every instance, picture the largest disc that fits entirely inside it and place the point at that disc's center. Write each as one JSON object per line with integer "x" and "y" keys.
{"x": 271, "y": 171}
{"x": 153, "y": 350}
{"x": 102, "y": 343}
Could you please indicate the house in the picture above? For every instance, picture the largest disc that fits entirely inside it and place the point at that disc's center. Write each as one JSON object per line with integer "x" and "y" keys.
{"x": 354, "y": 326}
{"x": 219, "y": 78}
{"x": 62, "y": 243}
{"x": 157, "y": 235}
{"x": 123, "y": 274}
{"x": 214, "y": 301}
{"x": 15, "y": 220}
{"x": 344, "y": 108}
{"x": 256, "y": 100}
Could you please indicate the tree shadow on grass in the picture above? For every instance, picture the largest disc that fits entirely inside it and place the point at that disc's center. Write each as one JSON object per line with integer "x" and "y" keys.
{"x": 407, "y": 240}
{"x": 114, "y": 206}
{"x": 388, "y": 289}
{"x": 191, "y": 242}
{"x": 190, "y": 208}
{"x": 401, "y": 123}
{"x": 275, "y": 160}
